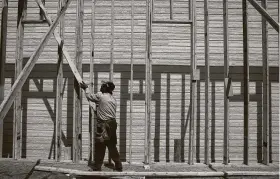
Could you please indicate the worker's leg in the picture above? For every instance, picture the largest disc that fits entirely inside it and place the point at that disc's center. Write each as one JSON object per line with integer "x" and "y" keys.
{"x": 112, "y": 145}
{"x": 99, "y": 149}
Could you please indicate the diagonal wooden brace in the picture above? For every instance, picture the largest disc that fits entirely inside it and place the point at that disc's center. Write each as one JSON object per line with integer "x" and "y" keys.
{"x": 59, "y": 41}
{"x": 8, "y": 101}
{"x": 265, "y": 14}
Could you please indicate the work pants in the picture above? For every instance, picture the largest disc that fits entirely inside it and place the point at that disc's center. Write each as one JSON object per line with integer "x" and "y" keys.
{"x": 111, "y": 144}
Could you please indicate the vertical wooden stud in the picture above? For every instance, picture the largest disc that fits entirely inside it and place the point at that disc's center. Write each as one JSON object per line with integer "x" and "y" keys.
{"x": 226, "y": 76}
{"x": 59, "y": 88}
{"x": 22, "y": 8}
{"x": 207, "y": 76}
{"x": 77, "y": 124}
{"x": 265, "y": 88}
{"x": 4, "y": 25}
{"x": 148, "y": 83}
{"x": 246, "y": 81}
{"x": 131, "y": 81}
{"x": 193, "y": 81}
{"x": 111, "y": 75}
{"x": 91, "y": 74}
{"x": 171, "y": 9}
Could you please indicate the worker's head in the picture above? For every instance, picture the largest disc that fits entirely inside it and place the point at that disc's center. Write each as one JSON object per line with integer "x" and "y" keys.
{"x": 107, "y": 87}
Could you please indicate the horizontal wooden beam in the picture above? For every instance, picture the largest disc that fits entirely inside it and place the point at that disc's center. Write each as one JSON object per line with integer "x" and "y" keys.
{"x": 34, "y": 21}
{"x": 8, "y": 101}
{"x": 59, "y": 41}
{"x": 158, "y": 174}
{"x": 265, "y": 14}
{"x": 171, "y": 22}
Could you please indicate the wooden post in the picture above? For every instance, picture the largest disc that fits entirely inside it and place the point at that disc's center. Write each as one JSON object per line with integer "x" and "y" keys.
{"x": 207, "y": 76}
{"x": 77, "y": 123}
{"x": 59, "y": 89}
{"x": 246, "y": 81}
{"x": 91, "y": 73}
{"x": 4, "y": 24}
{"x": 193, "y": 81}
{"x": 111, "y": 75}
{"x": 6, "y": 104}
{"x": 226, "y": 77}
{"x": 171, "y": 9}
{"x": 41, "y": 13}
{"x": 17, "y": 133}
{"x": 131, "y": 81}
{"x": 265, "y": 14}
{"x": 265, "y": 88}
{"x": 148, "y": 83}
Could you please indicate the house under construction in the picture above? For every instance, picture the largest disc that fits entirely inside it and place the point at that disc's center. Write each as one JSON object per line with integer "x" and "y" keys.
{"x": 197, "y": 81}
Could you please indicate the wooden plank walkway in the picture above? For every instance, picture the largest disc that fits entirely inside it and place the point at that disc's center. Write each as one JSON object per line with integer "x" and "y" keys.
{"x": 21, "y": 168}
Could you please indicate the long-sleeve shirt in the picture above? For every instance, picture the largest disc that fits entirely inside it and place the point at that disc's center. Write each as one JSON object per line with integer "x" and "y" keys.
{"x": 106, "y": 105}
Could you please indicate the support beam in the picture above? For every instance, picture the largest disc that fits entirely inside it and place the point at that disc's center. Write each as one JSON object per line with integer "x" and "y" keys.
{"x": 171, "y": 9}
{"x": 147, "y": 152}
{"x": 41, "y": 13}
{"x": 6, "y": 104}
{"x": 131, "y": 81}
{"x": 77, "y": 123}
{"x": 226, "y": 77}
{"x": 34, "y": 21}
{"x": 207, "y": 79}
{"x": 246, "y": 81}
{"x": 265, "y": 14}
{"x": 91, "y": 87}
{"x": 17, "y": 128}
{"x": 59, "y": 89}
{"x": 265, "y": 88}
{"x": 111, "y": 75}
{"x": 193, "y": 82}
{"x": 4, "y": 25}
{"x": 59, "y": 41}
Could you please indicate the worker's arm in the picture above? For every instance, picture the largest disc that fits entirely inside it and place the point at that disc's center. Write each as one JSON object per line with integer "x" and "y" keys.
{"x": 91, "y": 97}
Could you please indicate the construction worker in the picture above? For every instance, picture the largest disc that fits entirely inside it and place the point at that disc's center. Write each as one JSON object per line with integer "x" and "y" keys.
{"x": 106, "y": 134}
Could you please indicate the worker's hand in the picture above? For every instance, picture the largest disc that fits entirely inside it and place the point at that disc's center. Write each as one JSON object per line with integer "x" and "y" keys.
{"x": 83, "y": 85}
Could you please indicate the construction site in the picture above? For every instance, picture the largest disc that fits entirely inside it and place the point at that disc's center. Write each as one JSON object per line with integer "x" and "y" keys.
{"x": 196, "y": 85}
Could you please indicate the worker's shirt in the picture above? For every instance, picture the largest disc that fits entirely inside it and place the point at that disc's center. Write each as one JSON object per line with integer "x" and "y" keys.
{"x": 106, "y": 105}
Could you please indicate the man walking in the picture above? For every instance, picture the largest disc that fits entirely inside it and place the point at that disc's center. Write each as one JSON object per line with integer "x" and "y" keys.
{"x": 106, "y": 135}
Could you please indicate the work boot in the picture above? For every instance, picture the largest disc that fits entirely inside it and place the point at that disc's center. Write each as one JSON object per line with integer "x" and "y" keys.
{"x": 95, "y": 168}
{"x": 118, "y": 166}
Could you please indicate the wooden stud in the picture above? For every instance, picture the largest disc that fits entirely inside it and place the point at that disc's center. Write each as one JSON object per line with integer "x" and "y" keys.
{"x": 265, "y": 100}
{"x": 226, "y": 76}
{"x": 265, "y": 14}
{"x": 17, "y": 133}
{"x": 111, "y": 75}
{"x": 4, "y": 25}
{"x": 6, "y": 104}
{"x": 246, "y": 81}
{"x": 59, "y": 89}
{"x": 207, "y": 76}
{"x": 171, "y": 9}
{"x": 193, "y": 81}
{"x": 41, "y": 13}
{"x": 91, "y": 112}
{"x": 77, "y": 123}
{"x": 59, "y": 41}
{"x": 148, "y": 83}
{"x": 131, "y": 81}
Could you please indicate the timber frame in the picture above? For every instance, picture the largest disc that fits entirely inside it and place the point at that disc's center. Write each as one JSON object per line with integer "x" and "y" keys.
{"x": 21, "y": 75}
